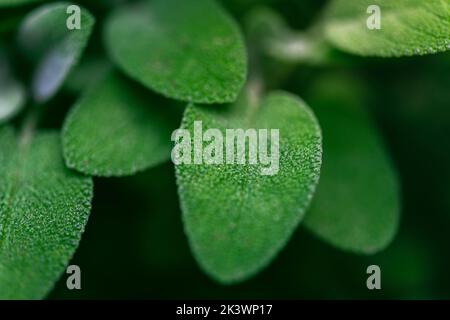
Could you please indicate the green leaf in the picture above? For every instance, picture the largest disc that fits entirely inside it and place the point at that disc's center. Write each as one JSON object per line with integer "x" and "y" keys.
{"x": 13, "y": 3}
{"x": 45, "y": 39}
{"x": 12, "y": 93}
{"x": 237, "y": 219}
{"x": 89, "y": 71}
{"x": 116, "y": 130}
{"x": 269, "y": 31}
{"x": 43, "y": 210}
{"x": 357, "y": 205}
{"x": 189, "y": 50}
{"x": 408, "y": 27}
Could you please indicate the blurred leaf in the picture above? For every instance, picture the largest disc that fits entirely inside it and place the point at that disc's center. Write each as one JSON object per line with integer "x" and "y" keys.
{"x": 280, "y": 47}
{"x": 237, "y": 219}
{"x": 89, "y": 71}
{"x": 189, "y": 50}
{"x": 356, "y": 206}
{"x": 275, "y": 38}
{"x": 43, "y": 210}
{"x": 239, "y": 8}
{"x": 12, "y": 93}
{"x": 46, "y": 39}
{"x": 115, "y": 130}
{"x": 11, "y": 3}
{"x": 8, "y": 22}
{"x": 408, "y": 27}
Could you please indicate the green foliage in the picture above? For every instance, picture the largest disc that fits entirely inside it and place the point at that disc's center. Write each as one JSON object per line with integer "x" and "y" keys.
{"x": 237, "y": 219}
{"x": 54, "y": 49}
{"x": 43, "y": 210}
{"x": 130, "y": 132}
{"x": 356, "y": 206}
{"x": 194, "y": 53}
{"x": 125, "y": 84}
{"x": 408, "y": 27}
{"x": 12, "y": 93}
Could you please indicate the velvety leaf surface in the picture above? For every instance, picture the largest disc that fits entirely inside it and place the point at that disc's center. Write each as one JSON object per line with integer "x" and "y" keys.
{"x": 189, "y": 50}
{"x": 236, "y": 219}
{"x": 408, "y": 27}
{"x": 46, "y": 40}
{"x": 116, "y": 129}
{"x": 43, "y": 210}
{"x": 357, "y": 205}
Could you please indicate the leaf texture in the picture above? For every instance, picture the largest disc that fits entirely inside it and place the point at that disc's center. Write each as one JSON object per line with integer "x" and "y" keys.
{"x": 43, "y": 210}
{"x": 236, "y": 219}
{"x": 116, "y": 129}
{"x": 189, "y": 50}
{"x": 408, "y": 27}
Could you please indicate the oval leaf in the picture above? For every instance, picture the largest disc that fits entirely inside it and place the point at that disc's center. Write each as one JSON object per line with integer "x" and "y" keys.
{"x": 408, "y": 27}
{"x": 43, "y": 210}
{"x": 116, "y": 130}
{"x": 237, "y": 219}
{"x": 46, "y": 39}
{"x": 356, "y": 206}
{"x": 189, "y": 50}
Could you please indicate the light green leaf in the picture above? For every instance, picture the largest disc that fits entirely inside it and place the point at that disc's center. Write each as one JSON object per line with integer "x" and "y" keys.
{"x": 408, "y": 27}
{"x": 116, "y": 130}
{"x": 356, "y": 206}
{"x": 189, "y": 50}
{"x": 43, "y": 210}
{"x": 45, "y": 38}
{"x": 12, "y": 93}
{"x": 237, "y": 219}
{"x": 13, "y": 3}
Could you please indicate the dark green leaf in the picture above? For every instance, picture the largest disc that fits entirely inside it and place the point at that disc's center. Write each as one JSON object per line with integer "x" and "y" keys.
{"x": 89, "y": 71}
{"x": 189, "y": 50}
{"x": 356, "y": 206}
{"x": 116, "y": 130}
{"x": 43, "y": 210}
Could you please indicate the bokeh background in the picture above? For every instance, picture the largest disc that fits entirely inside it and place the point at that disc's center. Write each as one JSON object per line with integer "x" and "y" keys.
{"x": 134, "y": 245}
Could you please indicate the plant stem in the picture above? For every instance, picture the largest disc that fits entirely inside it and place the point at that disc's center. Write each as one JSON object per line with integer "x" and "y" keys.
{"x": 255, "y": 87}
{"x": 30, "y": 124}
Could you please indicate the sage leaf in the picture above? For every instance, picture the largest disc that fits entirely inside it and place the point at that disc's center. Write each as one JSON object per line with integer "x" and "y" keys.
{"x": 12, "y": 93}
{"x": 237, "y": 219}
{"x": 408, "y": 27}
{"x": 189, "y": 50}
{"x": 357, "y": 205}
{"x": 54, "y": 48}
{"x": 43, "y": 210}
{"x": 116, "y": 130}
